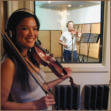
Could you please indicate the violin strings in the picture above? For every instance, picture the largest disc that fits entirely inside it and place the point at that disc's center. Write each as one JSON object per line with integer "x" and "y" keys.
{"x": 32, "y": 66}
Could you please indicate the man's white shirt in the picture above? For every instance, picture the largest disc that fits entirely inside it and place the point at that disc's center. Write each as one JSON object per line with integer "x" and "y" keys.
{"x": 68, "y": 38}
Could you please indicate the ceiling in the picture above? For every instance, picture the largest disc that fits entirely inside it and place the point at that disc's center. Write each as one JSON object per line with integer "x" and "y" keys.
{"x": 58, "y": 5}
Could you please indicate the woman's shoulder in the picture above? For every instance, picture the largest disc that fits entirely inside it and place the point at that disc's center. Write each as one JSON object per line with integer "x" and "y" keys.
{"x": 7, "y": 71}
{"x": 7, "y": 62}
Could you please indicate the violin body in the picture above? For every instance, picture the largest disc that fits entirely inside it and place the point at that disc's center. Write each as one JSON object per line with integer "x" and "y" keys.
{"x": 44, "y": 58}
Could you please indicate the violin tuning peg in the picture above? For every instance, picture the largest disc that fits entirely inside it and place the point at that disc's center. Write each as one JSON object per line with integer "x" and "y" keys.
{"x": 46, "y": 51}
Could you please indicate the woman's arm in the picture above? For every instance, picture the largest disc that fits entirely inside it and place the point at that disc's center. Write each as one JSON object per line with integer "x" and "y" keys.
{"x": 7, "y": 76}
{"x": 57, "y": 81}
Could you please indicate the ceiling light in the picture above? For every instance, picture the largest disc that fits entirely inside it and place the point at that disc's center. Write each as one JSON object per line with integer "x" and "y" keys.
{"x": 69, "y": 5}
{"x": 49, "y": 2}
{"x": 80, "y": 5}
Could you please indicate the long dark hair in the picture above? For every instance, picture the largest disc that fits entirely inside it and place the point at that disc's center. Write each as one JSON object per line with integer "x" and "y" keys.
{"x": 13, "y": 21}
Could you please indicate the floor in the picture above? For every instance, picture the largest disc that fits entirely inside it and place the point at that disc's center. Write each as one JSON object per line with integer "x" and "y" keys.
{"x": 82, "y": 59}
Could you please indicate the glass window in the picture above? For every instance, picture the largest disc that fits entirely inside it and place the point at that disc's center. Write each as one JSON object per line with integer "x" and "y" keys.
{"x": 86, "y": 44}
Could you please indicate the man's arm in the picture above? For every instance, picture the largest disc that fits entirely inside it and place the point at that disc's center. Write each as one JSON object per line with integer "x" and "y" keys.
{"x": 62, "y": 43}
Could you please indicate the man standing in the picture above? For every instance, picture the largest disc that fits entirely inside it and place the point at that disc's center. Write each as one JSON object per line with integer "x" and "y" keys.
{"x": 68, "y": 39}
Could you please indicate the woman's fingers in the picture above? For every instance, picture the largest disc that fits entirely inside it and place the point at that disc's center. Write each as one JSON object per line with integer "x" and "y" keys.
{"x": 50, "y": 99}
{"x": 69, "y": 71}
{"x": 46, "y": 101}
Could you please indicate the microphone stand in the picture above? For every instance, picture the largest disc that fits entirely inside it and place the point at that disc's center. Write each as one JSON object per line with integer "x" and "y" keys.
{"x": 72, "y": 56}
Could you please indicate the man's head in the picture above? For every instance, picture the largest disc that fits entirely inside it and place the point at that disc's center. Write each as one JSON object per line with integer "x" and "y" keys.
{"x": 70, "y": 25}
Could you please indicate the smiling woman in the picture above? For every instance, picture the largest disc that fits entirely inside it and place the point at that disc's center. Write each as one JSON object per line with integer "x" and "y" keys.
{"x": 23, "y": 81}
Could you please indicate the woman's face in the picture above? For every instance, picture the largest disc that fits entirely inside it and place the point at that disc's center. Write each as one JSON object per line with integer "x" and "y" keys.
{"x": 26, "y": 32}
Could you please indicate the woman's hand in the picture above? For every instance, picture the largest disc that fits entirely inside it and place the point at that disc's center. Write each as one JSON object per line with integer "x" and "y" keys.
{"x": 45, "y": 102}
{"x": 69, "y": 71}
{"x": 53, "y": 83}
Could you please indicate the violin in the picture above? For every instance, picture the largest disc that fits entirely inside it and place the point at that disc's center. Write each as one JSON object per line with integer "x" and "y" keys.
{"x": 73, "y": 32}
{"x": 42, "y": 56}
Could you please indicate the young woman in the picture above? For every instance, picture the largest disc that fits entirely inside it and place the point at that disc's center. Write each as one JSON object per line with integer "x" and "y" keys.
{"x": 19, "y": 88}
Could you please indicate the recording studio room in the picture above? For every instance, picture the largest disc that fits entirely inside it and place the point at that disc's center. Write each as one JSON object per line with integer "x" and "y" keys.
{"x": 88, "y": 87}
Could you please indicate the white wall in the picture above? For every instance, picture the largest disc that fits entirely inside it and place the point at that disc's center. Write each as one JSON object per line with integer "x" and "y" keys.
{"x": 56, "y": 20}
{"x": 87, "y": 15}
{"x": 49, "y": 19}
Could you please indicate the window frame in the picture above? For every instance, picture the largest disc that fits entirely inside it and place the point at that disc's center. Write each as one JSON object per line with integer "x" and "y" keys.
{"x": 103, "y": 65}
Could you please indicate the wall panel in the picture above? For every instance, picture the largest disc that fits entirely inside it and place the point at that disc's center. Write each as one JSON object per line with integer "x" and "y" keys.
{"x": 86, "y": 28}
{"x": 49, "y": 40}
{"x": 94, "y": 50}
{"x": 84, "y": 49}
{"x": 84, "y": 46}
{"x": 95, "y": 28}
{"x": 56, "y": 48}
{"x": 94, "y": 47}
{"x": 44, "y": 37}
